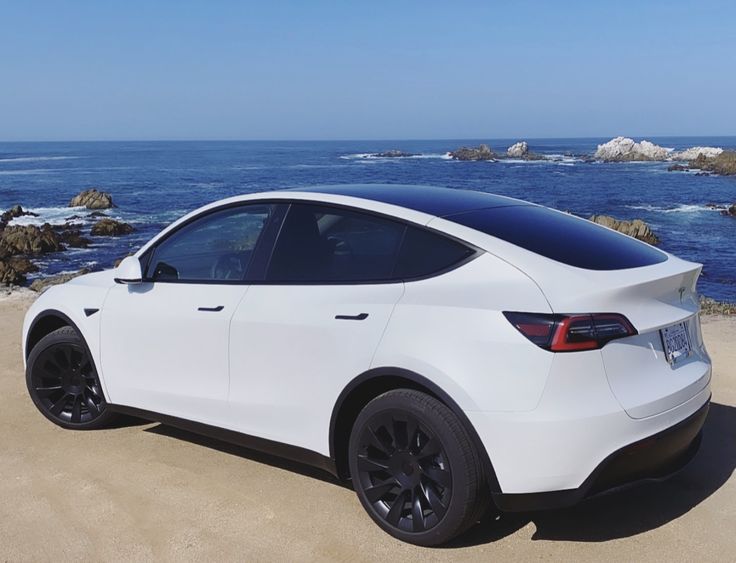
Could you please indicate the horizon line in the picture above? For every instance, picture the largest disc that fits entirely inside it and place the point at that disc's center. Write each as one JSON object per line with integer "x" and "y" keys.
{"x": 357, "y": 139}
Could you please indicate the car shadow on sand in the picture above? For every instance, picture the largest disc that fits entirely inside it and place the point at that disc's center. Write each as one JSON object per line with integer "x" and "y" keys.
{"x": 634, "y": 510}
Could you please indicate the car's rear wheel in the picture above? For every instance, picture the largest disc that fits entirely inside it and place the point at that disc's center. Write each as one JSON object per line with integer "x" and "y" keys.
{"x": 63, "y": 382}
{"x": 415, "y": 469}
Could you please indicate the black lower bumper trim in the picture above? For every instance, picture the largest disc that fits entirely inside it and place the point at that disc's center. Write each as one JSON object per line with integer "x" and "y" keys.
{"x": 653, "y": 458}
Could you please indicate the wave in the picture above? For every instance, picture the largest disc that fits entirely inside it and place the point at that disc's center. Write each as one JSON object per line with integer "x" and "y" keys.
{"x": 36, "y": 158}
{"x": 62, "y": 215}
{"x": 375, "y": 156}
{"x": 680, "y": 208}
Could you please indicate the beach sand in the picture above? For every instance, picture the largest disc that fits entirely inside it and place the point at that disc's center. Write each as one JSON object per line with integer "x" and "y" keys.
{"x": 144, "y": 492}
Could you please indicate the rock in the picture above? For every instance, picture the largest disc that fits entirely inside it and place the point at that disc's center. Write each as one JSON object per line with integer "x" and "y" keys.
{"x": 12, "y": 213}
{"x": 624, "y": 149}
{"x": 636, "y": 228}
{"x": 92, "y": 199}
{"x": 694, "y": 152}
{"x": 393, "y": 153}
{"x": 110, "y": 228}
{"x": 71, "y": 235}
{"x": 9, "y": 275}
{"x": 483, "y": 152}
{"x": 730, "y": 211}
{"x": 723, "y": 164}
{"x": 29, "y": 239}
{"x": 710, "y": 306}
{"x": 518, "y": 150}
{"x": 43, "y": 284}
{"x": 22, "y": 265}
{"x": 677, "y": 168}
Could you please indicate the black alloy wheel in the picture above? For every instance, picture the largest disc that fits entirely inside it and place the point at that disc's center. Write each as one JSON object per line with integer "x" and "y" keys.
{"x": 414, "y": 468}
{"x": 63, "y": 382}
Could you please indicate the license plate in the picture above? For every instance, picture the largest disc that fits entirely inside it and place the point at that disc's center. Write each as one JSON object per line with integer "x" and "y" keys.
{"x": 676, "y": 340}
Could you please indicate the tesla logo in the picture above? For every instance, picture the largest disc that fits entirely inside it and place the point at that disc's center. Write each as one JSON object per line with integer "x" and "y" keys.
{"x": 682, "y": 293}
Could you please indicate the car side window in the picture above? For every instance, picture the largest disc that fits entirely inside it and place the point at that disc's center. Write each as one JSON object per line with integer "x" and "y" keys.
{"x": 327, "y": 244}
{"x": 216, "y": 247}
{"x": 424, "y": 252}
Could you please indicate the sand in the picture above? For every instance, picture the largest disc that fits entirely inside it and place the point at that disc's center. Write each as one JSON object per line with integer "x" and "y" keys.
{"x": 144, "y": 492}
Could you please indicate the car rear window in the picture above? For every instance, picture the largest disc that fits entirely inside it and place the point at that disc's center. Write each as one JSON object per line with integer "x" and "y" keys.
{"x": 561, "y": 237}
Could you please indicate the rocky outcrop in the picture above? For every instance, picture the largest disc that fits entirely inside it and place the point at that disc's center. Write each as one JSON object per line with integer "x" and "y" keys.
{"x": 71, "y": 235}
{"x": 110, "y": 228}
{"x": 636, "y": 228}
{"x": 677, "y": 168}
{"x": 624, "y": 149}
{"x": 29, "y": 239}
{"x": 723, "y": 164}
{"x": 694, "y": 152}
{"x": 13, "y": 270}
{"x": 730, "y": 211}
{"x": 482, "y": 152}
{"x": 710, "y": 306}
{"x": 92, "y": 199}
{"x": 518, "y": 150}
{"x": 393, "y": 153}
{"x": 43, "y": 284}
{"x": 12, "y": 213}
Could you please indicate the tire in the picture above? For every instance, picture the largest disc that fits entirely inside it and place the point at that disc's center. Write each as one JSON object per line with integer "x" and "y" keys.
{"x": 415, "y": 469}
{"x": 63, "y": 383}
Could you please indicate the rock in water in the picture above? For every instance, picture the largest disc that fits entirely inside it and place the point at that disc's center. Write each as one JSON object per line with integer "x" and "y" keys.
{"x": 14, "y": 212}
{"x": 723, "y": 164}
{"x": 110, "y": 228}
{"x": 636, "y": 228}
{"x": 518, "y": 150}
{"x": 730, "y": 211}
{"x": 92, "y": 199}
{"x": 29, "y": 239}
{"x": 393, "y": 153}
{"x": 624, "y": 149}
{"x": 694, "y": 152}
{"x": 483, "y": 152}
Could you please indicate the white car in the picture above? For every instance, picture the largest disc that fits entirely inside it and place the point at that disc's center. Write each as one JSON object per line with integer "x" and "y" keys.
{"x": 443, "y": 349}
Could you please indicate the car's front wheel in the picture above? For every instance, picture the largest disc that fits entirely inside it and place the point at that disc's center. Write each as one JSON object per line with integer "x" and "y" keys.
{"x": 415, "y": 469}
{"x": 63, "y": 382}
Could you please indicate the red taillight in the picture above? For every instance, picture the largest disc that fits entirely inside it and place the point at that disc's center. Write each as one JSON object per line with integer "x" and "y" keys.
{"x": 570, "y": 333}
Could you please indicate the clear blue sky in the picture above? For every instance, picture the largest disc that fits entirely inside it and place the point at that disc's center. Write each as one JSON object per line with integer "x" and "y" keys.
{"x": 365, "y": 70}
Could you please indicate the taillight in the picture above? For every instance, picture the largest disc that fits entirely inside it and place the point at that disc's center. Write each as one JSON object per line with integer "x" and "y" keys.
{"x": 570, "y": 333}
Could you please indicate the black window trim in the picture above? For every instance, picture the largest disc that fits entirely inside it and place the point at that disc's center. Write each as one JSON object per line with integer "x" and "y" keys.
{"x": 276, "y": 222}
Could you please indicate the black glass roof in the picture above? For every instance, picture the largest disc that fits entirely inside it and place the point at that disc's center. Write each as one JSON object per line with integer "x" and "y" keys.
{"x": 427, "y": 199}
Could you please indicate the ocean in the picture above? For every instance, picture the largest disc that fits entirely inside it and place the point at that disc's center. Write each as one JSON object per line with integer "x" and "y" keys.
{"x": 153, "y": 183}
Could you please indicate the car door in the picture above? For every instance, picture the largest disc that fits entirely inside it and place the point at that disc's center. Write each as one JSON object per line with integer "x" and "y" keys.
{"x": 314, "y": 322}
{"x": 164, "y": 342}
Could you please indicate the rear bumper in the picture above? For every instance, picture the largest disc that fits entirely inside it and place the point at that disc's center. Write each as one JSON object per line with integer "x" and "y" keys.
{"x": 653, "y": 458}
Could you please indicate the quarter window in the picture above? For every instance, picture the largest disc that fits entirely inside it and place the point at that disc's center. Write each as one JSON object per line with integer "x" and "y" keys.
{"x": 217, "y": 247}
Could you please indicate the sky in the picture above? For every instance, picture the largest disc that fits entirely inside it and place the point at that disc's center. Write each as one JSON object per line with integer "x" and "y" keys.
{"x": 127, "y": 70}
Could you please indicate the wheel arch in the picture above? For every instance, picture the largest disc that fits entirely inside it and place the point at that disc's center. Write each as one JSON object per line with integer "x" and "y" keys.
{"x": 46, "y": 322}
{"x": 372, "y": 383}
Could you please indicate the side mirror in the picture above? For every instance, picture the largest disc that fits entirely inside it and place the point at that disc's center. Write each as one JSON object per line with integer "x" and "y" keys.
{"x": 129, "y": 271}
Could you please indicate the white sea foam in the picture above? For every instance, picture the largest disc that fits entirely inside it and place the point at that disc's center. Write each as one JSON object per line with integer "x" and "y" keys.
{"x": 374, "y": 156}
{"x": 62, "y": 215}
{"x": 36, "y": 158}
{"x": 680, "y": 208}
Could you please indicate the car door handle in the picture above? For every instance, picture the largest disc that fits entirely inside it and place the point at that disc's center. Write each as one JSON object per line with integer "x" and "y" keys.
{"x": 212, "y": 309}
{"x": 360, "y": 317}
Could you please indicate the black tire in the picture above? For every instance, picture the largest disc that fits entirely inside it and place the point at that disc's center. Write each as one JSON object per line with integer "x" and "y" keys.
{"x": 415, "y": 469}
{"x": 63, "y": 383}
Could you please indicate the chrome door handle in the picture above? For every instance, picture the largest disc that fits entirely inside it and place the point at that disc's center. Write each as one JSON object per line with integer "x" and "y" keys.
{"x": 360, "y": 317}
{"x": 212, "y": 309}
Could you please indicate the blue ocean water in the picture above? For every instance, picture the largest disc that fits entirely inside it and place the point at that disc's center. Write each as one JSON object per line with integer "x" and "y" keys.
{"x": 153, "y": 183}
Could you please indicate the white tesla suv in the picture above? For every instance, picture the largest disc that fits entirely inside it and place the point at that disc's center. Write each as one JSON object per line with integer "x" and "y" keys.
{"x": 441, "y": 348}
